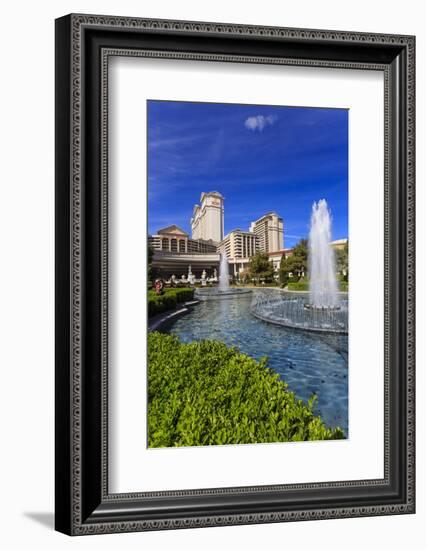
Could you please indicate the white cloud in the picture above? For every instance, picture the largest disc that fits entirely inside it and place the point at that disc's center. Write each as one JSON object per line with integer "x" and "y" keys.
{"x": 259, "y": 122}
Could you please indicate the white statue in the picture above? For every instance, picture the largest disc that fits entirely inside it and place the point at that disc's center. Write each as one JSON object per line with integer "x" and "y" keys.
{"x": 191, "y": 277}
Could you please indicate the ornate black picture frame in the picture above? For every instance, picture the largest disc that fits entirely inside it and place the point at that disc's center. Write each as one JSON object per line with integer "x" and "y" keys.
{"x": 84, "y": 44}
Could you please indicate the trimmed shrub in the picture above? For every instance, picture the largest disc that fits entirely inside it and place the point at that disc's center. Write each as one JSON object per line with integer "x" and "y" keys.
{"x": 300, "y": 285}
{"x": 205, "y": 393}
{"x": 158, "y": 303}
{"x": 161, "y": 303}
{"x": 182, "y": 294}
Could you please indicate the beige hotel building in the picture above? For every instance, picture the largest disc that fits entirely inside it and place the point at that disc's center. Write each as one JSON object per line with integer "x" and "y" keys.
{"x": 265, "y": 235}
{"x": 270, "y": 232}
{"x": 208, "y": 218}
{"x": 239, "y": 246}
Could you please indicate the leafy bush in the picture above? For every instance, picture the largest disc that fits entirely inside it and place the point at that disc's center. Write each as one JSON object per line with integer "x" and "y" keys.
{"x": 205, "y": 393}
{"x": 343, "y": 286}
{"x": 300, "y": 285}
{"x": 168, "y": 300}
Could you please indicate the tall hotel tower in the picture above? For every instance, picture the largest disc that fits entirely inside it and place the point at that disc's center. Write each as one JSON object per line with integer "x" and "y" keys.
{"x": 269, "y": 230}
{"x": 207, "y": 217}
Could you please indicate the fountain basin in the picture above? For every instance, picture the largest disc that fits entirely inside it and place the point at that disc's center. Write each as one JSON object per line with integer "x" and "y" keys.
{"x": 321, "y": 308}
{"x": 294, "y": 311}
{"x": 218, "y": 294}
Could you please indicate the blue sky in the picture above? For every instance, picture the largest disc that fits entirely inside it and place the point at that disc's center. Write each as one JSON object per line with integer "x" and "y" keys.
{"x": 261, "y": 158}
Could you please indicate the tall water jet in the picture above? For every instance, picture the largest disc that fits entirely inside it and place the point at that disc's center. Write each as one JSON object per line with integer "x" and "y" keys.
{"x": 322, "y": 271}
{"x": 323, "y": 310}
{"x": 223, "y": 273}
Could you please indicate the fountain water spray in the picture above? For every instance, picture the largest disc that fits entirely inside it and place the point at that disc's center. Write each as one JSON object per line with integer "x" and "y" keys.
{"x": 322, "y": 271}
{"x": 223, "y": 273}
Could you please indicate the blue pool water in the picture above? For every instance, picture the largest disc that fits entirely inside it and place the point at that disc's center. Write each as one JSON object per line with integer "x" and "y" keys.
{"x": 308, "y": 362}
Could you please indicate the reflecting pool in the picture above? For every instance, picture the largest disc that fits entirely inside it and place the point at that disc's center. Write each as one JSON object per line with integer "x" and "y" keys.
{"x": 309, "y": 362}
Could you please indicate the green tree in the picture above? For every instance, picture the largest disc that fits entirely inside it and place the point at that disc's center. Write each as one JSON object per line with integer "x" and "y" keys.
{"x": 342, "y": 261}
{"x": 301, "y": 249}
{"x": 296, "y": 264}
{"x": 150, "y": 258}
{"x": 261, "y": 267}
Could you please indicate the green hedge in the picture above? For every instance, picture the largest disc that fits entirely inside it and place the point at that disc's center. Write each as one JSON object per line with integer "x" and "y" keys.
{"x": 301, "y": 285}
{"x": 168, "y": 300}
{"x": 205, "y": 393}
{"x": 182, "y": 294}
{"x": 304, "y": 285}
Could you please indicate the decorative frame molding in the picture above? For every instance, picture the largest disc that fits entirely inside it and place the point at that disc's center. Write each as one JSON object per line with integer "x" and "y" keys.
{"x": 84, "y": 43}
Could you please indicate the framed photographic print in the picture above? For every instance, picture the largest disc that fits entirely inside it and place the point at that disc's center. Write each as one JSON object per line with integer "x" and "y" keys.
{"x": 234, "y": 274}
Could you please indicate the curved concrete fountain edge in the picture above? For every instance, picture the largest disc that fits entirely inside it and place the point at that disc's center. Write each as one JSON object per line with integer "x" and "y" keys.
{"x": 168, "y": 316}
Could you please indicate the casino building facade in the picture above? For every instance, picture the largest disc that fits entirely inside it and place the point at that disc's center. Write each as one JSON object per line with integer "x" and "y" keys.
{"x": 175, "y": 252}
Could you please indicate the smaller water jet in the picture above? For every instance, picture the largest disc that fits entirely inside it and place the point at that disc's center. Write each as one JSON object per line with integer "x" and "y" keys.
{"x": 223, "y": 290}
{"x": 223, "y": 273}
